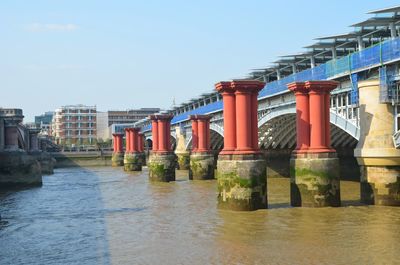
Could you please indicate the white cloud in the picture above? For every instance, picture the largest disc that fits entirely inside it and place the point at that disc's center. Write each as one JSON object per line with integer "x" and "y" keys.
{"x": 39, "y": 27}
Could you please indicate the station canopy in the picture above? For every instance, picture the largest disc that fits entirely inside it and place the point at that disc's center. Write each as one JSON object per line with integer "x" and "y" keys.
{"x": 384, "y": 25}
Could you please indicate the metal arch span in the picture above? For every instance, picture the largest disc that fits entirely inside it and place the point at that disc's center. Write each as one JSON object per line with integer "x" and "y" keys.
{"x": 213, "y": 127}
{"x": 344, "y": 124}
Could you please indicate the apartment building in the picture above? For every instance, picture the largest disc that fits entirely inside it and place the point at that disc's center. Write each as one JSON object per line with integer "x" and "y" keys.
{"x": 106, "y": 119}
{"x": 75, "y": 125}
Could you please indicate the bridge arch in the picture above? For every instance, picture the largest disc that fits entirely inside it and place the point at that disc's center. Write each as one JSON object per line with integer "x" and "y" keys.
{"x": 216, "y": 138}
{"x": 277, "y": 129}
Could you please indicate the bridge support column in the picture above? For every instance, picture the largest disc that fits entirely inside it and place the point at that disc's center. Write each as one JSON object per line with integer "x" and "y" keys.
{"x": 181, "y": 152}
{"x": 162, "y": 160}
{"x": 314, "y": 166}
{"x": 241, "y": 167}
{"x": 132, "y": 158}
{"x": 45, "y": 160}
{"x": 202, "y": 162}
{"x": 378, "y": 159}
{"x": 17, "y": 167}
{"x": 141, "y": 148}
{"x": 117, "y": 158}
{"x": 11, "y": 135}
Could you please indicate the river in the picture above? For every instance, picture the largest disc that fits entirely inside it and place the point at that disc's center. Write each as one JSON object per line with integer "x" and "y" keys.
{"x": 107, "y": 216}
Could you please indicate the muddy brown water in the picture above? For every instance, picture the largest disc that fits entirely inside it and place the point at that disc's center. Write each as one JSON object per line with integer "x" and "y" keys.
{"x": 107, "y": 216}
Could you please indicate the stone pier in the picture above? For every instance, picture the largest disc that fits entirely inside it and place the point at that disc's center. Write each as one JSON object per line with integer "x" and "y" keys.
{"x": 132, "y": 157}
{"x": 202, "y": 162}
{"x": 241, "y": 167}
{"x": 17, "y": 167}
{"x": 141, "y": 148}
{"x": 376, "y": 155}
{"x": 117, "y": 158}
{"x": 183, "y": 155}
{"x": 162, "y": 159}
{"x": 46, "y": 161}
{"x": 314, "y": 166}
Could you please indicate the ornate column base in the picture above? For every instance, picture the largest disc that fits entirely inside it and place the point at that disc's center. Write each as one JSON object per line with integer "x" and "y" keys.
{"x": 183, "y": 160}
{"x": 380, "y": 185}
{"x": 242, "y": 182}
{"x": 132, "y": 162}
{"x": 202, "y": 166}
{"x": 117, "y": 159}
{"x": 162, "y": 166}
{"x": 314, "y": 180}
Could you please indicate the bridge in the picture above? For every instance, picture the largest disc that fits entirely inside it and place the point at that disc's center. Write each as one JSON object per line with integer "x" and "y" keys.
{"x": 371, "y": 51}
{"x": 21, "y": 160}
{"x": 362, "y": 110}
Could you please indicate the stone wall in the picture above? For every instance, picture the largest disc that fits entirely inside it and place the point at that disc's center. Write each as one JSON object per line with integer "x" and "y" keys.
{"x": 82, "y": 159}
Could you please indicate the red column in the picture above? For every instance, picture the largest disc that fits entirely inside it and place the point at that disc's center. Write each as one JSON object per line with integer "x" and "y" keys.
{"x": 327, "y": 120}
{"x": 246, "y": 115}
{"x": 164, "y": 132}
{"x": 120, "y": 149}
{"x": 154, "y": 132}
{"x": 202, "y": 135}
{"x": 162, "y": 139}
{"x": 208, "y": 135}
{"x": 204, "y": 132}
{"x": 114, "y": 142}
{"x": 168, "y": 135}
{"x": 134, "y": 140}
{"x": 319, "y": 114}
{"x": 127, "y": 141}
{"x": 229, "y": 111}
{"x": 243, "y": 120}
{"x": 302, "y": 116}
{"x": 140, "y": 142}
{"x": 117, "y": 138}
{"x": 195, "y": 133}
{"x": 254, "y": 121}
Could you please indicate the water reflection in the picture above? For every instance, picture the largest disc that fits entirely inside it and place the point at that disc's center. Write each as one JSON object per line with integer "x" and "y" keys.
{"x": 108, "y": 216}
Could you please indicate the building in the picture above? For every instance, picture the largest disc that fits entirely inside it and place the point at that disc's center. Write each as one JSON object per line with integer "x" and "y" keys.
{"x": 106, "y": 119}
{"x": 75, "y": 125}
{"x": 44, "y": 123}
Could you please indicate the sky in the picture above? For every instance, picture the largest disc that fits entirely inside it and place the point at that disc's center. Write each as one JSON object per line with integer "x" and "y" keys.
{"x": 121, "y": 55}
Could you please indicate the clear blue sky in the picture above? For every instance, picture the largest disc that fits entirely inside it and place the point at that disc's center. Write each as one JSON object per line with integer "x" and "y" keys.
{"x": 132, "y": 54}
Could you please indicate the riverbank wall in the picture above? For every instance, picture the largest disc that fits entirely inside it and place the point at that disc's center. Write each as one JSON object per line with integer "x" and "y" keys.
{"x": 82, "y": 159}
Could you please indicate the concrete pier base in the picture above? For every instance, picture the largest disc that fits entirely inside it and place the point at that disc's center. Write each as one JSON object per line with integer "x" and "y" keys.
{"x": 17, "y": 168}
{"x": 376, "y": 155}
{"x": 117, "y": 159}
{"x": 162, "y": 166}
{"x": 143, "y": 158}
{"x": 380, "y": 185}
{"x": 132, "y": 162}
{"x": 314, "y": 180}
{"x": 202, "y": 166}
{"x": 242, "y": 182}
{"x": 183, "y": 160}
